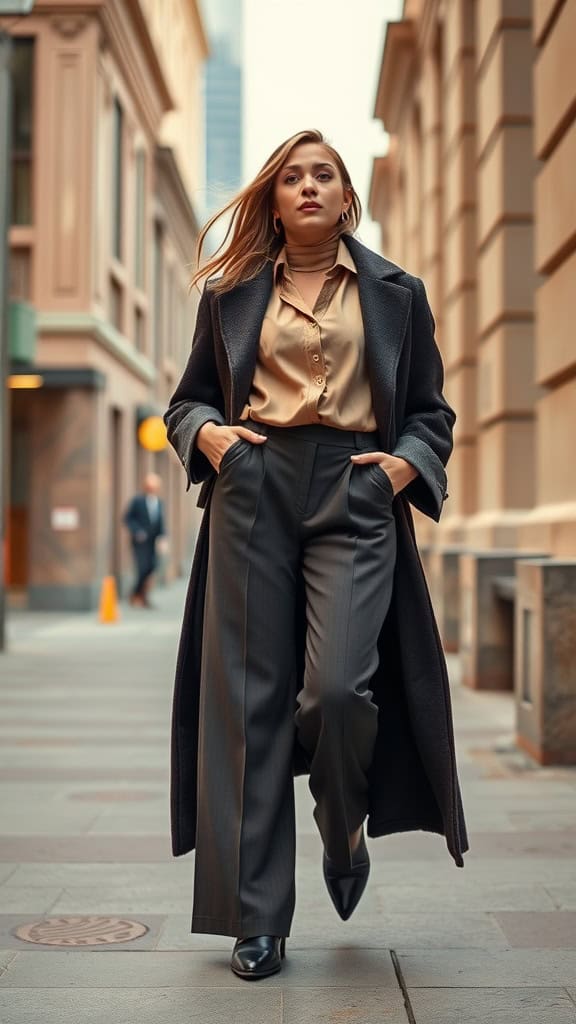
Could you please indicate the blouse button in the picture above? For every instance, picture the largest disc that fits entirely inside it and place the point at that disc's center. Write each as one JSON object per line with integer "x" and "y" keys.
{"x": 315, "y": 357}
{"x": 319, "y": 380}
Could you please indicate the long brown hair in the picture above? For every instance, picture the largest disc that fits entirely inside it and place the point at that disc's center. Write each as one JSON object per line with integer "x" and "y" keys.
{"x": 253, "y": 242}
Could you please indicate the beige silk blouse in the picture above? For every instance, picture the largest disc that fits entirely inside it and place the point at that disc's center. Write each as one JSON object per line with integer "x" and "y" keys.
{"x": 311, "y": 365}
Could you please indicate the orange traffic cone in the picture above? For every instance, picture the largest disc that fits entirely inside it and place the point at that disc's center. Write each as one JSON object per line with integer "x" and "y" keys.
{"x": 109, "y": 600}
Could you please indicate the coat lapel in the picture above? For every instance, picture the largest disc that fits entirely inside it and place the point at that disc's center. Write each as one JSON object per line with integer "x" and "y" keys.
{"x": 385, "y": 307}
{"x": 241, "y": 312}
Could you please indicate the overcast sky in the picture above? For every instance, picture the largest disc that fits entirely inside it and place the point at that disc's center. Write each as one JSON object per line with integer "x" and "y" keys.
{"x": 315, "y": 65}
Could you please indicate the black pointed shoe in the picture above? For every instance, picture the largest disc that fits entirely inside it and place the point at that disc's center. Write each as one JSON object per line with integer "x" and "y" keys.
{"x": 346, "y": 885}
{"x": 258, "y": 956}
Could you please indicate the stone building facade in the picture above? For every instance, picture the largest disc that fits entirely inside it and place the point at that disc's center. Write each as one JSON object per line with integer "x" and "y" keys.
{"x": 107, "y": 159}
{"x": 477, "y": 195}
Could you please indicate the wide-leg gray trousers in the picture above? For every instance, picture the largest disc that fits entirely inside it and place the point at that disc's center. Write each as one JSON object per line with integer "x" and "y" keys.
{"x": 292, "y": 511}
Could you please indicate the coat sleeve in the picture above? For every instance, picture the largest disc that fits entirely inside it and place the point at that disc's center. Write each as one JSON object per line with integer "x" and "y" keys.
{"x": 131, "y": 517}
{"x": 425, "y": 438}
{"x": 197, "y": 399}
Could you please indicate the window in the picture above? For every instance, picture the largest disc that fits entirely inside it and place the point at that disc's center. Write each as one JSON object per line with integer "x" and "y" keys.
{"x": 116, "y": 299}
{"x": 139, "y": 330}
{"x": 158, "y": 293}
{"x": 117, "y": 174}
{"x": 22, "y": 130}
{"x": 169, "y": 340}
{"x": 140, "y": 218}
{"x": 19, "y": 268}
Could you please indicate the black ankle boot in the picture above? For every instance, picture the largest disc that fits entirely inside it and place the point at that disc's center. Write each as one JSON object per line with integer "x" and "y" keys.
{"x": 346, "y": 885}
{"x": 258, "y": 956}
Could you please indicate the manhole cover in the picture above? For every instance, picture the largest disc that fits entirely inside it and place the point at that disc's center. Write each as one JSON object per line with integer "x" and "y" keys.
{"x": 80, "y": 931}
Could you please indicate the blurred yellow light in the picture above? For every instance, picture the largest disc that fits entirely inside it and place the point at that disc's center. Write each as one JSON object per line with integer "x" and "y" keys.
{"x": 25, "y": 380}
{"x": 152, "y": 434}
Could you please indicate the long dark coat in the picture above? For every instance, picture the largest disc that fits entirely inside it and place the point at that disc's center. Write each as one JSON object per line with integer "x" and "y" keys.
{"x": 413, "y": 777}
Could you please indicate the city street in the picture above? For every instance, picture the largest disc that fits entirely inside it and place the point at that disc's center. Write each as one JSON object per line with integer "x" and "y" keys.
{"x": 84, "y": 727}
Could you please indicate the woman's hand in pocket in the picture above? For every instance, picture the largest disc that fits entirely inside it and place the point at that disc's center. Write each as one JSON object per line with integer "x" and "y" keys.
{"x": 214, "y": 440}
{"x": 398, "y": 470}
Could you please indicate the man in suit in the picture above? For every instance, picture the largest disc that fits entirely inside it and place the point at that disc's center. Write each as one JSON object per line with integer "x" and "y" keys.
{"x": 144, "y": 518}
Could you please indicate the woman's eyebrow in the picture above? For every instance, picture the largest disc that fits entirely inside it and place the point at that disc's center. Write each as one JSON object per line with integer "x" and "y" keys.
{"x": 298, "y": 167}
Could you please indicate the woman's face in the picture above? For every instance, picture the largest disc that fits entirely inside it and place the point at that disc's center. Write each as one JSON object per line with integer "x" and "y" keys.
{"x": 308, "y": 194}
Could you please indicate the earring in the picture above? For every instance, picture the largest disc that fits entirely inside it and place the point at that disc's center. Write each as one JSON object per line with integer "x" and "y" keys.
{"x": 275, "y": 222}
{"x": 344, "y": 216}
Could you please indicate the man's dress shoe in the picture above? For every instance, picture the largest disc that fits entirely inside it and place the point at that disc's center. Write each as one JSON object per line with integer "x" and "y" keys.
{"x": 258, "y": 956}
{"x": 346, "y": 885}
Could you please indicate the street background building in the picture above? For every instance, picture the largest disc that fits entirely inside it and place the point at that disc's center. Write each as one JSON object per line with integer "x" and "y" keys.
{"x": 477, "y": 195}
{"x": 223, "y": 101}
{"x": 108, "y": 159}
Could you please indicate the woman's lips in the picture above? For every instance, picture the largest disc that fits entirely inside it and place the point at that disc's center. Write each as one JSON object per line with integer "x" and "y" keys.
{"x": 309, "y": 209}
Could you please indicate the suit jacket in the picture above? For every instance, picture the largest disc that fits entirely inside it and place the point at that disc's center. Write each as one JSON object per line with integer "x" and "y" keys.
{"x": 413, "y": 781}
{"x": 137, "y": 519}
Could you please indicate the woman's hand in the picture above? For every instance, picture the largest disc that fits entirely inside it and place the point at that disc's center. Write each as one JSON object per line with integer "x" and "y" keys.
{"x": 214, "y": 439}
{"x": 399, "y": 471}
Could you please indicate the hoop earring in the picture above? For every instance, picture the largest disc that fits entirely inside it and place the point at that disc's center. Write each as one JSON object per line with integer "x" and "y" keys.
{"x": 275, "y": 222}
{"x": 344, "y": 216}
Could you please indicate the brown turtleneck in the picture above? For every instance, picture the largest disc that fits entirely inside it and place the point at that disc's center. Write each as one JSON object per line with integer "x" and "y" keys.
{"x": 311, "y": 365}
{"x": 312, "y": 258}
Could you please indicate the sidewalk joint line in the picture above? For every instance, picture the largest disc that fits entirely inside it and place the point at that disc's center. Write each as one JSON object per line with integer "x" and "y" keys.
{"x": 402, "y": 984}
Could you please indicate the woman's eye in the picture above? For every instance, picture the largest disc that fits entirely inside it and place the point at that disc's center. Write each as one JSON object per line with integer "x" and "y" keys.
{"x": 325, "y": 174}
{"x": 289, "y": 179}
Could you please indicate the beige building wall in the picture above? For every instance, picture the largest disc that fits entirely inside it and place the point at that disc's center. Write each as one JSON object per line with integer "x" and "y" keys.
{"x": 181, "y": 44}
{"x": 477, "y": 196}
{"x": 104, "y": 260}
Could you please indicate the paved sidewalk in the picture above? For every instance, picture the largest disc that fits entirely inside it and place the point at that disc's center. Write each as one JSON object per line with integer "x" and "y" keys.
{"x": 84, "y": 726}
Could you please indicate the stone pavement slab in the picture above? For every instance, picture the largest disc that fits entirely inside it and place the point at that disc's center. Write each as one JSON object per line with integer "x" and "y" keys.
{"x": 461, "y": 894}
{"x": 556, "y": 930}
{"x": 336, "y": 1005}
{"x": 6, "y": 956}
{"x": 386, "y": 931}
{"x": 146, "y": 899}
{"x": 344, "y": 968}
{"x": 27, "y": 899}
{"x": 90, "y": 849}
{"x": 220, "y": 1005}
{"x": 564, "y": 896}
{"x": 492, "y": 1006}
{"x": 483, "y": 968}
{"x": 178, "y": 871}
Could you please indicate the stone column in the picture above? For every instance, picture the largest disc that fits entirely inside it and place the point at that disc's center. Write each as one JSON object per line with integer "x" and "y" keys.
{"x": 545, "y": 660}
{"x": 64, "y": 177}
{"x": 488, "y": 587}
{"x": 505, "y": 382}
{"x": 555, "y": 147}
{"x": 64, "y": 529}
{"x": 459, "y": 241}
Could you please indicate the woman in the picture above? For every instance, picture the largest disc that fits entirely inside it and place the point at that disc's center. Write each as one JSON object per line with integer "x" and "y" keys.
{"x": 311, "y": 409}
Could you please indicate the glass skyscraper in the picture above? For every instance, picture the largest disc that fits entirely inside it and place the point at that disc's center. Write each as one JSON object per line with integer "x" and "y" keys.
{"x": 223, "y": 101}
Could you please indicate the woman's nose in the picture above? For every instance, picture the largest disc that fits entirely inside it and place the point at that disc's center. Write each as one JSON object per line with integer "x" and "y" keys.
{"x": 309, "y": 186}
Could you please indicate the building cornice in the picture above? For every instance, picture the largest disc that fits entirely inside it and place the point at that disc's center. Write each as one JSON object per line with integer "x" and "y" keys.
{"x": 200, "y": 29}
{"x": 88, "y": 325}
{"x": 396, "y": 70}
{"x": 378, "y": 181}
{"x": 125, "y": 32}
